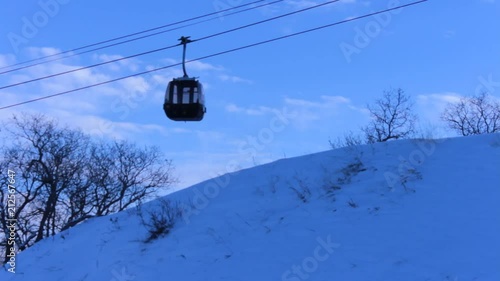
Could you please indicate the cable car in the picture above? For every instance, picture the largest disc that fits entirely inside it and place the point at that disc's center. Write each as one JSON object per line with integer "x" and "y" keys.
{"x": 184, "y": 99}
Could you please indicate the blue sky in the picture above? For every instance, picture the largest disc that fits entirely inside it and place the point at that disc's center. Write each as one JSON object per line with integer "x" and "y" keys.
{"x": 282, "y": 99}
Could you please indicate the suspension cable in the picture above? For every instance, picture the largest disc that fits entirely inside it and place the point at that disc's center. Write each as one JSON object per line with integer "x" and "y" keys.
{"x": 132, "y": 34}
{"x": 217, "y": 54}
{"x": 168, "y": 47}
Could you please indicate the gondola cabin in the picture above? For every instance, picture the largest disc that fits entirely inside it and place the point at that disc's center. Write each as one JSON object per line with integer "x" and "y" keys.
{"x": 184, "y": 100}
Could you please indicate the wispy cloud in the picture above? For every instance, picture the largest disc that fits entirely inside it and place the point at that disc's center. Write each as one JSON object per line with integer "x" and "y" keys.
{"x": 446, "y": 97}
{"x": 203, "y": 66}
{"x": 301, "y": 4}
{"x": 253, "y": 111}
{"x": 306, "y": 113}
{"x": 193, "y": 66}
{"x": 291, "y": 5}
{"x": 430, "y": 106}
{"x": 127, "y": 64}
{"x": 324, "y": 102}
{"x": 6, "y": 60}
{"x": 36, "y": 52}
{"x": 234, "y": 79}
{"x": 136, "y": 84}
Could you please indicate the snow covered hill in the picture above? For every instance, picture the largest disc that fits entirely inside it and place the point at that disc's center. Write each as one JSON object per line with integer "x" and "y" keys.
{"x": 405, "y": 210}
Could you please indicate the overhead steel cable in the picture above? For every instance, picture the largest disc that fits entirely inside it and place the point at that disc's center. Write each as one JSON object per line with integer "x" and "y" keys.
{"x": 266, "y": 20}
{"x": 217, "y": 54}
{"x": 139, "y": 38}
{"x": 169, "y": 47}
{"x": 130, "y": 35}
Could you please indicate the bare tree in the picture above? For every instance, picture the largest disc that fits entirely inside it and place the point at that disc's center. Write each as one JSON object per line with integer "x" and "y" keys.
{"x": 64, "y": 178}
{"x": 474, "y": 115}
{"x": 43, "y": 157}
{"x": 54, "y": 158}
{"x": 26, "y": 191}
{"x": 392, "y": 117}
{"x": 122, "y": 174}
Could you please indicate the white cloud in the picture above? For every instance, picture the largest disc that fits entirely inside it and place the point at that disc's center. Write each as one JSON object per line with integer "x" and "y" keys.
{"x": 192, "y": 68}
{"x": 70, "y": 81}
{"x": 210, "y": 136}
{"x": 234, "y": 79}
{"x": 6, "y": 60}
{"x": 447, "y": 97}
{"x": 325, "y": 102}
{"x": 213, "y": 164}
{"x": 202, "y": 66}
{"x": 293, "y": 5}
{"x": 131, "y": 64}
{"x": 99, "y": 126}
{"x": 57, "y": 83}
{"x": 36, "y": 52}
{"x": 305, "y": 113}
{"x": 73, "y": 102}
{"x": 233, "y": 108}
{"x": 253, "y": 111}
{"x": 180, "y": 130}
{"x": 430, "y": 106}
{"x": 161, "y": 79}
{"x": 302, "y": 4}
{"x": 136, "y": 84}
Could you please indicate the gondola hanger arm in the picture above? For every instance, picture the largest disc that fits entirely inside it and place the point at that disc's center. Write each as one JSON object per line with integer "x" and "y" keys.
{"x": 184, "y": 41}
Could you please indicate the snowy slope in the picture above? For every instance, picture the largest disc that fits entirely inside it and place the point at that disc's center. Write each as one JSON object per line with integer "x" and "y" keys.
{"x": 405, "y": 210}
